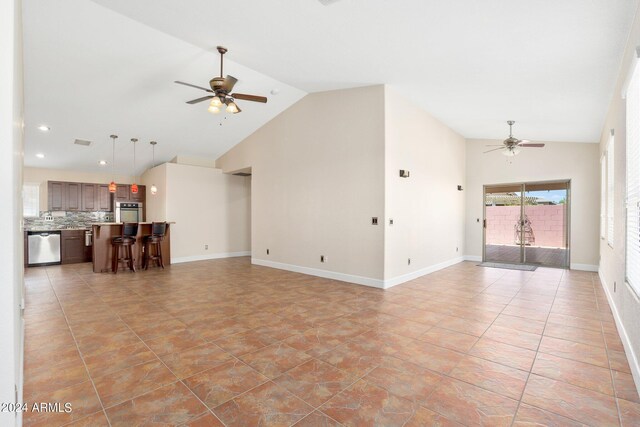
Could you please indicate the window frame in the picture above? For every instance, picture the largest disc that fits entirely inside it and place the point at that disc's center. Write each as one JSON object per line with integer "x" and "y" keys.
{"x": 27, "y": 187}
{"x": 631, "y": 94}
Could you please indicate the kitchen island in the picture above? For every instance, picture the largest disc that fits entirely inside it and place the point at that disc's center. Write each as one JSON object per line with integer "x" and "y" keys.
{"x": 103, "y": 232}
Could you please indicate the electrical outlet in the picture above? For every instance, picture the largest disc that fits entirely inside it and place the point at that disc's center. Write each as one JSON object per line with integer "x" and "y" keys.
{"x": 408, "y": 261}
{"x": 267, "y": 251}
{"x": 322, "y": 258}
{"x": 374, "y": 220}
{"x": 206, "y": 247}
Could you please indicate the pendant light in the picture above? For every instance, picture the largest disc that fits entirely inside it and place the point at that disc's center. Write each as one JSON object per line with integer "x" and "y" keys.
{"x": 134, "y": 186}
{"x": 154, "y": 189}
{"x": 112, "y": 184}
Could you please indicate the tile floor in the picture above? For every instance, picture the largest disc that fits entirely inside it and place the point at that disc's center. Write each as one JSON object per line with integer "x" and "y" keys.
{"x": 227, "y": 343}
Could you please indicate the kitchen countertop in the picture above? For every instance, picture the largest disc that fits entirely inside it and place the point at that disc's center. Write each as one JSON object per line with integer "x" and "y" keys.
{"x": 57, "y": 228}
{"x": 100, "y": 224}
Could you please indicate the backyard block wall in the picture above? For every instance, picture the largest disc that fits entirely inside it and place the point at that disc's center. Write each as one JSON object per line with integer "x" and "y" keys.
{"x": 547, "y": 222}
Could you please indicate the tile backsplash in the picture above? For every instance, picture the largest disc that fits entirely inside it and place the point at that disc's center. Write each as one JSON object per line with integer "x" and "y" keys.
{"x": 61, "y": 220}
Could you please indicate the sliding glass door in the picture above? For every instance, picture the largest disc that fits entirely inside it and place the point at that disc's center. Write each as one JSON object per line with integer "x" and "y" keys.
{"x": 527, "y": 223}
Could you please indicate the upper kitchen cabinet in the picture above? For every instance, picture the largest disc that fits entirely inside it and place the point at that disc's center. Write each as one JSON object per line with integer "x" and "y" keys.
{"x": 74, "y": 196}
{"x": 140, "y": 196}
{"x": 104, "y": 198}
{"x": 65, "y": 196}
{"x": 124, "y": 194}
{"x": 57, "y": 196}
{"x": 89, "y": 197}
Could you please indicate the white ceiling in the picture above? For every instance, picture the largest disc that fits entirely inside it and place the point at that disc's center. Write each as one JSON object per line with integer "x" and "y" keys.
{"x": 549, "y": 65}
{"x": 91, "y": 72}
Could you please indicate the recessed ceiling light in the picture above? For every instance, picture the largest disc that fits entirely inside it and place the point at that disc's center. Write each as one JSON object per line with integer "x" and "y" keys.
{"x": 44, "y": 128}
{"x": 40, "y": 156}
{"x": 102, "y": 162}
{"x": 275, "y": 91}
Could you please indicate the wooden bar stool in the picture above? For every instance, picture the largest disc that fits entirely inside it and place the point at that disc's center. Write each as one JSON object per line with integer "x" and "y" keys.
{"x": 153, "y": 242}
{"x": 125, "y": 243}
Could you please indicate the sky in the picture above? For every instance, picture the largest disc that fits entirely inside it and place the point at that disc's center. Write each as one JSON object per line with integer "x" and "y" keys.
{"x": 553, "y": 195}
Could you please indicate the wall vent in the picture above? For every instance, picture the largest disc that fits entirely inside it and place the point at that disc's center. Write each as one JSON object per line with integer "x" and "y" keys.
{"x": 83, "y": 142}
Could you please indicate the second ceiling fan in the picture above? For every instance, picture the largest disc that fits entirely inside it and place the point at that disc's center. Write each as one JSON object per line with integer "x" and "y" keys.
{"x": 512, "y": 145}
{"x": 220, "y": 92}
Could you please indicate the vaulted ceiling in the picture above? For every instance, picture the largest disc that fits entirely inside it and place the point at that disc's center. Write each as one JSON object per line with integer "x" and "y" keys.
{"x": 94, "y": 68}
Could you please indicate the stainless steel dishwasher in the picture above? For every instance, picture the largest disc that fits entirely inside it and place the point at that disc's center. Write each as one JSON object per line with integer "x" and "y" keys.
{"x": 44, "y": 247}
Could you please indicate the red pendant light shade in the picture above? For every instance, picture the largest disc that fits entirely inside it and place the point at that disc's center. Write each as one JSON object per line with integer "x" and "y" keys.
{"x": 134, "y": 188}
{"x": 112, "y": 187}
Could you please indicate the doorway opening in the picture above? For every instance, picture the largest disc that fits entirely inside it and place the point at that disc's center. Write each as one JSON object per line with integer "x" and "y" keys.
{"x": 527, "y": 223}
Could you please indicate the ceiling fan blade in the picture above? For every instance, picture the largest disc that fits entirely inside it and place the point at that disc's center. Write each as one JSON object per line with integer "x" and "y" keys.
{"x": 229, "y": 83}
{"x": 253, "y": 98}
{"x": 195, "y": 101}
{"x": 530, "y": 145}
{"x": 194, "y": 86}
{"x": 495, "y": 149}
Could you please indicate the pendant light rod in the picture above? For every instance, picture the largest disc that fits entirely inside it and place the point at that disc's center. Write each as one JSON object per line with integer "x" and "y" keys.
{"x": 153, "y": 153}
{"x": 134, "y": 140}
{"x": 134, "y": 186}
{"x": 112, "y": 184}
{"x": 153, "y": 189}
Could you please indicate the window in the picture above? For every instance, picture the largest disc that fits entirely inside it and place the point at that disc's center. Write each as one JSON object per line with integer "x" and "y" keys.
{"x": 610, "y": 189}
{"x": 31, "y": 199}
{"x": 603, "y": 196}
{"x": 633, "y": 182}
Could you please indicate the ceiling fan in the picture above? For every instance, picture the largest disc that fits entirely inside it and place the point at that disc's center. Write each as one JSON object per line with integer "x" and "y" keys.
{"x": 512, "y": 145}
{"x": 220, "y": 91}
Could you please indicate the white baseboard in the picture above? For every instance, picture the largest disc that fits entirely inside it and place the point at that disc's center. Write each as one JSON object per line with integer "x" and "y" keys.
{"x": 359, "y": 280}
{"x": 209, "y": 256}
{"x": 388, "y": 283}
{"x": 584, "y": 267}
{"x": 632, "y": 358}
{"x": 475, "y": 258}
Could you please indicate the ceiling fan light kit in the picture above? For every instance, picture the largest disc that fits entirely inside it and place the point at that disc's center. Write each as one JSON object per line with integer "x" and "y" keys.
{"x": 221, "y": 88}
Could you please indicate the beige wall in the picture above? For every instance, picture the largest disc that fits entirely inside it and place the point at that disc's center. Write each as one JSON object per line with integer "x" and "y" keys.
{"x": 11, "y": 250}
{"x": 578, "y": 162}
{"x": 624, "y": 301}
{"x": 156, "y": 205}
{"x": 208, "y": 207}
{"x": 42, "y": 175}
{"x": 427, "y": 209}
{"x": 318, "y": 179}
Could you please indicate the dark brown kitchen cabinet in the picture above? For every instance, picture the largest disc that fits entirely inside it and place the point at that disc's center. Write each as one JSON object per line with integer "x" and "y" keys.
{"x": 140, "y": 195}
{"x": 104, "y": 198}
{"x": 124, "y": 194}
{"x": 72, "y": 247}
{"x": 57, "y": 196}
{"x": 74, "y": 196}
{"x": 90, "y": 197}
